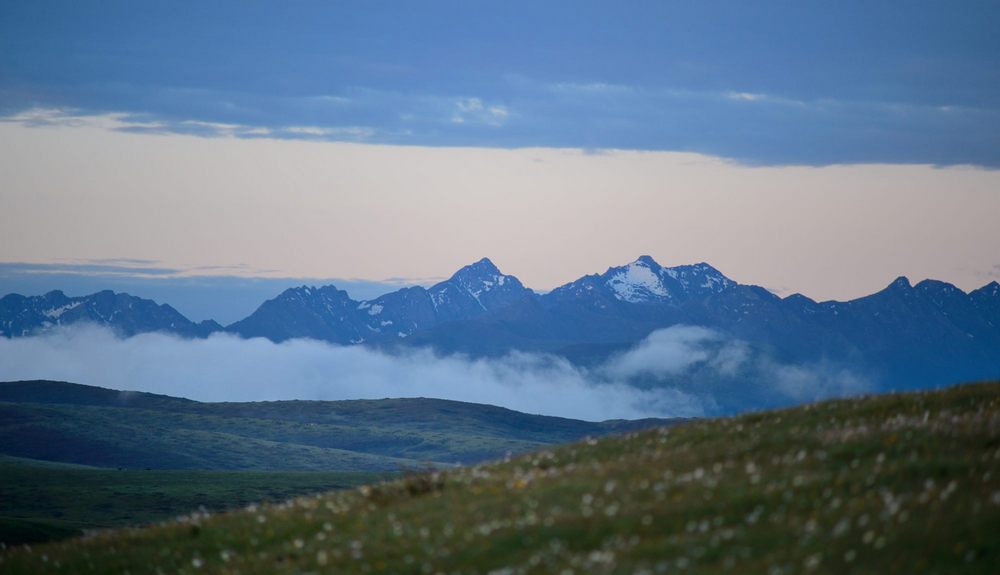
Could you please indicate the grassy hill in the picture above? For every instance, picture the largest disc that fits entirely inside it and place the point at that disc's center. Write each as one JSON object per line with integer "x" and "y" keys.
{"x": 40, "y": 500}
{"x": 72, "y": 423}
{"x": 896, "y": 483}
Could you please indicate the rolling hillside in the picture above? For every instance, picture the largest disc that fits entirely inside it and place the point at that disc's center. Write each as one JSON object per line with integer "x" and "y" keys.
{"x": 42, "y": 501}
{"x": 57, "y": 421}
{"x": 895, "y": 483}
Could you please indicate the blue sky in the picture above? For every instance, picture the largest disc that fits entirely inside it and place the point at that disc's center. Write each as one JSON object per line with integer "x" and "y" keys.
{"x": 774, "y": 83}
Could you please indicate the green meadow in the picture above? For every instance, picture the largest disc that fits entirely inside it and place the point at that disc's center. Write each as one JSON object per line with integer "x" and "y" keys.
{"x": 41, "y": 500}
{"x": 894, "y": 483}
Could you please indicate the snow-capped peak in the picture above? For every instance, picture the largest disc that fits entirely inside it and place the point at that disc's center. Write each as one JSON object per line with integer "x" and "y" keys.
{"x": 644, "y": 280}
{"x": 482, "y": 269}
{"x": 476, "y": 280}
{"x": 479, "y": 277}
{"x": 647, "y": 261}
{"x": 638, "y": 281}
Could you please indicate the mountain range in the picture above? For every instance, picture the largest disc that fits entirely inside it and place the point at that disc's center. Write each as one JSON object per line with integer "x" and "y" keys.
{"x": 128, "y": 315}
{"x": 903, "y": 336}
{"x": 329, "y": 314}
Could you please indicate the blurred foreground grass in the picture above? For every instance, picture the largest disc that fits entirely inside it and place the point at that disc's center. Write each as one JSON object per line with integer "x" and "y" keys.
{"x": 41, "y": 501}
{"x": 896, "y": 483}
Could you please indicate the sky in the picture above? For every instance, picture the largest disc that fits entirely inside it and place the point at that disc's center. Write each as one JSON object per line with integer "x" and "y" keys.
{"x": 773, "y": 82}
{"x": 213, "y": 153}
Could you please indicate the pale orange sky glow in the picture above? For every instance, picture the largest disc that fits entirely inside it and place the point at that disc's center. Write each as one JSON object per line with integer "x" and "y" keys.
{"x": 548, "y": 216}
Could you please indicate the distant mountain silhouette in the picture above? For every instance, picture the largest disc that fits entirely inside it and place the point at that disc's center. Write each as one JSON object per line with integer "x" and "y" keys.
{"x": 128, "y": 315}
{"x": 906, "y": 336}
{"x": 328, "y": 314}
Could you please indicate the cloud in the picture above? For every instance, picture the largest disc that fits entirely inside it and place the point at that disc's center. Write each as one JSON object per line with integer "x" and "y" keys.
{"x": 227, "y": 368}
{"x": 774, "y": 127}
{"x": 735, "y": 95}
{"x": 676, "y": 372}
{"x": 728, "y": 375}
{"x": 745, "y": 96}
{"x": 98, "y": 267}
{"x": 803, "y": 383}
{"x": 474, "y": 110}
{"x": 729, "y": 359}
{"x": 663, "y": 352}
{"x": 143, "y": 124}
{"x": 42, "y": 117}
{"x": 337, "y": 133}
{"x": 775, "y": 100}
{"x": 590, "y": 88}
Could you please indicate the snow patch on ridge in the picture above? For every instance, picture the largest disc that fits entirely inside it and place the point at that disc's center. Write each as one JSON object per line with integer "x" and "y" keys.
{"x": 637, "y": 283}
{"x": 702, "y": 275}
{"x": 55, "y": 312}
